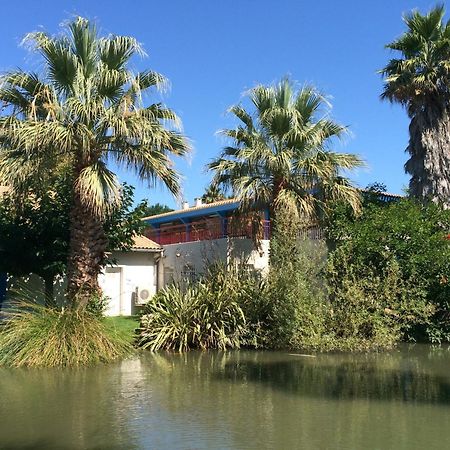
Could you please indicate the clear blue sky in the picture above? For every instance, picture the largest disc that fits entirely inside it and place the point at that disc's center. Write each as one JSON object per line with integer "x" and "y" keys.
{"x": 212, "y": 51}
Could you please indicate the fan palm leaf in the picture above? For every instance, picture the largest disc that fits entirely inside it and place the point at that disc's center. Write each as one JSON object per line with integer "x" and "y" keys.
{"x": 280, "y": 154}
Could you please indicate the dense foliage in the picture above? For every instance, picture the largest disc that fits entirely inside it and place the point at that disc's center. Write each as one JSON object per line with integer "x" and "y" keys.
{"x": 35, "y": 230}
{"x": 394, "y": 261}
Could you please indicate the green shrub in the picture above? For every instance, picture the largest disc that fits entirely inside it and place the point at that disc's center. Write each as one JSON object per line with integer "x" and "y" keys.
{"x": 371, "y": 310}
{"x": 205, "y": 314}
{"x": 292, "y": 304}
{"x": 98, "y": 305}
{"x": 34, "y": 335}
{"x": 405, "y": 238}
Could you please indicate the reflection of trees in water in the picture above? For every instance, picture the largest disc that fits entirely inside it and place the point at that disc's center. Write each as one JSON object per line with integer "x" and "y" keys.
{"x": 230, "y": 400}
{"x": 58, "y": 409}
{"x": 274, "y": 400}
{"x": 343, "y": 377}
{"x": 390, "y": 376}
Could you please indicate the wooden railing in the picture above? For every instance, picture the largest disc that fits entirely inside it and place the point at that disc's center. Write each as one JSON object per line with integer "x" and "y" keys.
{"x": 217, "y": 228}
{"x": 209, "y": 229}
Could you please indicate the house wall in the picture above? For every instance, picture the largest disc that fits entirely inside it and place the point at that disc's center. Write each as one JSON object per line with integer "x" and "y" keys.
{"x": 180, "y": 259}
{"x": 133, "y": 270}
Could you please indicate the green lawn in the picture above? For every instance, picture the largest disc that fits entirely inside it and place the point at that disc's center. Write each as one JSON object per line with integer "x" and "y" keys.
{"x": 124, "y": 325}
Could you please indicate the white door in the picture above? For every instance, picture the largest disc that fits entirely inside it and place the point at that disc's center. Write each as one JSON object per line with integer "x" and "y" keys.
{"x": 112, "y": 288}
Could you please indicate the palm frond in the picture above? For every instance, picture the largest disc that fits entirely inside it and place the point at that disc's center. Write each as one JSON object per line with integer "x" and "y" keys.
{"x": 88, "y": 109}
{"x": 98, "y": 188}
{"x": 420, "y": 75}
{"x": 280, "y": 153}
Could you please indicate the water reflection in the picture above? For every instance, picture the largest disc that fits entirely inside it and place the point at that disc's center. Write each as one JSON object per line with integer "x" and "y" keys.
{"x": 233, "y": 400}
{"x": 364, "y": 377}
{"x": 84, "y": 408}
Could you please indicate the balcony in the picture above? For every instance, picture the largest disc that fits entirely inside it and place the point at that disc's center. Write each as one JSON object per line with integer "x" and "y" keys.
{"x": 208, "y": 229}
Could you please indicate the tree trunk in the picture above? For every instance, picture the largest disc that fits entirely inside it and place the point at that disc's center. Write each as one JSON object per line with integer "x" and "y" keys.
{"x": 88, "y": 245}
{"x": 429, "y": 164}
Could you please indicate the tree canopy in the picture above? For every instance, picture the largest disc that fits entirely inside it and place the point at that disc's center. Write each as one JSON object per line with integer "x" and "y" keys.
{"x": 85, "y": 109}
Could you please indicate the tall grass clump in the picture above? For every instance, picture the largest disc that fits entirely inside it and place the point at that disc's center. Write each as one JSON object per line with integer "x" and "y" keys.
{"x": 205, "y": 314}
{"x": 34, "y": 335}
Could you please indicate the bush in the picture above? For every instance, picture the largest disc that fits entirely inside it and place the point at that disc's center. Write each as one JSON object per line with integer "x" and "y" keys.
{"x": 293, "y": 305}
{"x": 205, "y": 314}
{"x": 35, "y": 335}
{"x": 403, "y": 240}
{"x": 98, "y": 304}
{"x": 298, "y": 314}
{"x": 371, "y": 310}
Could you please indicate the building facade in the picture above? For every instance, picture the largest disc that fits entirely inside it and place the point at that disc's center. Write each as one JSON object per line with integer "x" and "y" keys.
{"x": 194, "y": 237}
{"x": 128, "y": 282}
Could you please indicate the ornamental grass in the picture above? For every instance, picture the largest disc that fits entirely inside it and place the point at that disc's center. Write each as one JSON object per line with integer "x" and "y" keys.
{"x": 33, "y": 335}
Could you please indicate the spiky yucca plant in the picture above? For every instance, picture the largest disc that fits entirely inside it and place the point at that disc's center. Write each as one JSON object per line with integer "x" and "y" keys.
{"x": 206, "y": 314}
{"x": 84, "y": 110}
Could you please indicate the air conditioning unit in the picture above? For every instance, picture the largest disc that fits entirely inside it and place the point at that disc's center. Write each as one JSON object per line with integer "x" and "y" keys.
{"x": 143, "y": 295}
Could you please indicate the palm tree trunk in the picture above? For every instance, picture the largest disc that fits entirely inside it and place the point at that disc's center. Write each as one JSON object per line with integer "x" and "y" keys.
{"x": 429, "y": 164}
{"x": 278, "y": 186}
{"x": 88, "y": 245}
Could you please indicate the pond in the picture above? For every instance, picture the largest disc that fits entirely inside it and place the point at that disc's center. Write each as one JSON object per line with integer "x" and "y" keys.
{"x": 234, "y": 400}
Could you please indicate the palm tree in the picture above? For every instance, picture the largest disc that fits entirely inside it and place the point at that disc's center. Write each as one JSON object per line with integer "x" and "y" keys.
{"x": 85, "y": 111}
{"x": 280, "y": 155}
{"x": 420, "y": 80}
{"x": 212, "y": 194}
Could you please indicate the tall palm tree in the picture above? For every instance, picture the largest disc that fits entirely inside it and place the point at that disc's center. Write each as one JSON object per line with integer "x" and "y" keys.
{"x": 419, "y": 79}
{"x": 86, "y": 109}
{"x": 280, "y": 155}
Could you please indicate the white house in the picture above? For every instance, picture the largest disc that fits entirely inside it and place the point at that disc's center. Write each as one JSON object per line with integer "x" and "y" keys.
{"x": 128, "y": 283}
{"x": 193, "y": 237}
{"x": 134, "y": 278}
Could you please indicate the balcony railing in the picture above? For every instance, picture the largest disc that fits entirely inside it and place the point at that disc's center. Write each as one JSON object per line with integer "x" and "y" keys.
{"x": 209, "y": 229}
